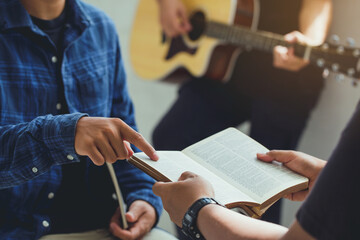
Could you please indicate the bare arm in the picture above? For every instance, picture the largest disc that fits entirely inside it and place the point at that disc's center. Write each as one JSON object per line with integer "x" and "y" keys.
{"x": 314, "y": 22}
{"x": 315, "y": 18}
{"x": 216, "y": 222}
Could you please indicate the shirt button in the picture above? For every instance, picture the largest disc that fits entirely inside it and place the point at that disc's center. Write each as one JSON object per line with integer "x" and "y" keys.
{"x": 70, "y": 157}
{"x": 45, "y": 223}
{"x": 114, "y": 196}
{"x": 51, "y": 195}
{"x": 58, "y": 106}
{"x": 54, "y": 59}
{"x": 34, "y": 169}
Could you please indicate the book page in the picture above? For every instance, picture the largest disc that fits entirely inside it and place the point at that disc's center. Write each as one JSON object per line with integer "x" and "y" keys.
{"x": 231, "y": 155}
{"x": 173, "y": 163}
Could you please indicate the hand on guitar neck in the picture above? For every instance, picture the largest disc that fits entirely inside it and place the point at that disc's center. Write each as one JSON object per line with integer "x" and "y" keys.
{"x": 285, "y": 58}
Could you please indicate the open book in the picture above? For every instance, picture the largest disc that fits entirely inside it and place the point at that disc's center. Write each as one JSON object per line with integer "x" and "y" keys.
{"x": 228, "y": 161}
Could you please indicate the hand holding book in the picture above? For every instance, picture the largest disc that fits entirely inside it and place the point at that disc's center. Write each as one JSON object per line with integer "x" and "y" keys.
{"x": 228, "y": 161}
{"x": 178, "y": 196}
{"x": 299, "y": 162}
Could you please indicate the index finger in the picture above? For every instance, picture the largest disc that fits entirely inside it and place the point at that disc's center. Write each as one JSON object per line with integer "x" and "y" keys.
{"x": 138, "y": 140}
{"x": 184, "y": 21}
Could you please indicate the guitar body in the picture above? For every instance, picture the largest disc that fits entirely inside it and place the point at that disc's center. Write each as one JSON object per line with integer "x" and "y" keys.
{"x": 155, "y": 57}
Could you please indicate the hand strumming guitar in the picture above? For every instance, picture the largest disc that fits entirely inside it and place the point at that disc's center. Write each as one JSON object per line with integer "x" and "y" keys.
{"x": 173, "y": 17}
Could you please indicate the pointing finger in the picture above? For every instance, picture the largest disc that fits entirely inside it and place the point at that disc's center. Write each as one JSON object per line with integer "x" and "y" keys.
{"x": 138, "y": 140}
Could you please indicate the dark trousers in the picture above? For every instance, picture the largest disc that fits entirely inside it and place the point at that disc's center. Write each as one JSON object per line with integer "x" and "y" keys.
{"x": 204, "y": 107}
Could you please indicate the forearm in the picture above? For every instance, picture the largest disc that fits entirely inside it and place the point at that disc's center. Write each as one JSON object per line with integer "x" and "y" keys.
{"x": 30, "y": 149}
{"x": 315, "y": 18}
{"x": 216, "y": 222}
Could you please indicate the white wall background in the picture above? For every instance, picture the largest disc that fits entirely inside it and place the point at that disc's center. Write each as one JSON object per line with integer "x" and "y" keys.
{"x": 335, "y": 107}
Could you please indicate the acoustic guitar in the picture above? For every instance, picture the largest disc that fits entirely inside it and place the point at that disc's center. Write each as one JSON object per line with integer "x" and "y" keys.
{"x": 221, "y": 30}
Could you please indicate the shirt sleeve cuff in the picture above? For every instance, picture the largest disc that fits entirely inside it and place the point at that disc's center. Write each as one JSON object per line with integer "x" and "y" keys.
{"x": 59, "y": 137}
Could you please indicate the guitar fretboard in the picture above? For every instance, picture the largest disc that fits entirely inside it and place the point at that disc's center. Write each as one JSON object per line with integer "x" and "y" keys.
{"x": 259, "y": 40}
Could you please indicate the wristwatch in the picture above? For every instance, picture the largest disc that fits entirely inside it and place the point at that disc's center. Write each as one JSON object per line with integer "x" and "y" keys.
{"x": 189, "y": 227}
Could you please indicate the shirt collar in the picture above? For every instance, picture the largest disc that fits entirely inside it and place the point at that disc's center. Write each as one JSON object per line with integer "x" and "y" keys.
{"x": 78, "y": 15}
{"x": 14, "y": 15}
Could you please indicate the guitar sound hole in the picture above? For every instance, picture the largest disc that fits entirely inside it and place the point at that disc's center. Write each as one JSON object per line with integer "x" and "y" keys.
{"x": 178, "y": 45}
{"x": 198, "y": 24}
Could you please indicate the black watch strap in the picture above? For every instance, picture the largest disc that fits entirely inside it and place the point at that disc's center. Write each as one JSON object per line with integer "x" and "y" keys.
{"x": 189, "y": 227}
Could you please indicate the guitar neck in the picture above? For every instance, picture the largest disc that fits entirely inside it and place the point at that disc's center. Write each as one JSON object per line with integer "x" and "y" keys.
{"x": 338, "y": 59}
{"x": 259, "y": 40}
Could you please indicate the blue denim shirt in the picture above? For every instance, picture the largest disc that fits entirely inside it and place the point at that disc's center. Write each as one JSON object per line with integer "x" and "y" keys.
{"x": 35, "y": 140}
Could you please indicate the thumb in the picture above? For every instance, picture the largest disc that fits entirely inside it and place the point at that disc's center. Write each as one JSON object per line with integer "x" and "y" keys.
{"x": 135, "y": 212}
{"x": 159, "y": 188}
{"x": 264, "y": 157}
{"x": 295, "y": 161}
{"x": 280, "y": 155}
{"x": 291, "y": 37}
{"x": 130, "y": 217}
{"x": 186, "y": 175}
{"x": 129, "y": 149}
{"x": 295, "y": 37}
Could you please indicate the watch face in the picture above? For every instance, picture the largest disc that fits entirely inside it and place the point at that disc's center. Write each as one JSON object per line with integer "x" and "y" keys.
{"x": 189, "y": 227}
{"x": 188, "y": 218}
{"x": 185, "y": 232}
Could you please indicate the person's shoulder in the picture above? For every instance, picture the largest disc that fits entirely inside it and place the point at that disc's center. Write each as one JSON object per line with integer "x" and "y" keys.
{"x": 97, "y": 16}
